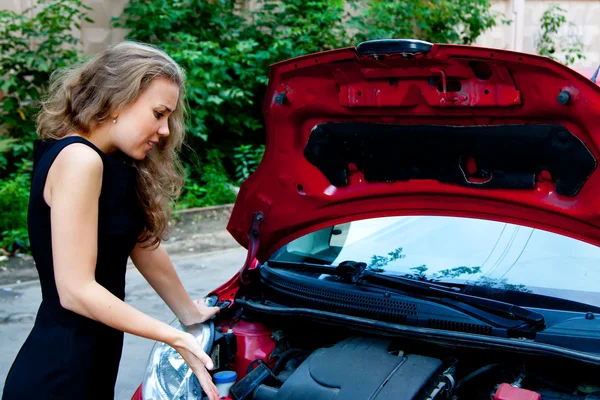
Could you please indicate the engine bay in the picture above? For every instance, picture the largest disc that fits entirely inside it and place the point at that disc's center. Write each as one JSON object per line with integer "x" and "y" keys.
{"x": 358, "y": 368}
{"x": 293, "y": 358}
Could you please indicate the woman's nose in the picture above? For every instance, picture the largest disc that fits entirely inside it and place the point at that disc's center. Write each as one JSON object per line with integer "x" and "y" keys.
{"x": 163, "y": 130}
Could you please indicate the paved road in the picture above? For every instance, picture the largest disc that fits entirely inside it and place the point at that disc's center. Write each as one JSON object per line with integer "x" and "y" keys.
{"x": 199, "y": 273}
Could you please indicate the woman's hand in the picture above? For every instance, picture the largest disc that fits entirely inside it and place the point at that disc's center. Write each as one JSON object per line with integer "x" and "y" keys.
{"x": 202, "y": 313}
{"x": 191, "y": 351}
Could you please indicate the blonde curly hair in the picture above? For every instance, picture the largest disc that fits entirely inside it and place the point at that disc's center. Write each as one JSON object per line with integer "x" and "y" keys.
{"x": 85, "y": 95}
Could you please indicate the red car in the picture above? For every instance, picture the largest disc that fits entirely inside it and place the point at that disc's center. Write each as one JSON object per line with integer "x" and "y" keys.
{"x": 424, "y": 224}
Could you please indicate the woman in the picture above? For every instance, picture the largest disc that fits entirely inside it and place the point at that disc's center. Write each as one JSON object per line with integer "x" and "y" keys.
{"x": 105, "y": 172}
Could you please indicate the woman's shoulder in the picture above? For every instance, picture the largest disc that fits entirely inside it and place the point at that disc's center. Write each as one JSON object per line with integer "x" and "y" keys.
{"x": 74, "y": 176}
{"x": 74, "y": 148}
{"x": 77, "y": 166}
{"x": 80, "y": 158}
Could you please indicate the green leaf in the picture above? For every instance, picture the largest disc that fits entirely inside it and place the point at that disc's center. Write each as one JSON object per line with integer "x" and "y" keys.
{"x": 5, "y": 86}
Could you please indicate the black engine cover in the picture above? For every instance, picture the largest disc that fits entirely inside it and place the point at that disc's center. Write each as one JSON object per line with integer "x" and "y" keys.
{"x": 359, "y": 368}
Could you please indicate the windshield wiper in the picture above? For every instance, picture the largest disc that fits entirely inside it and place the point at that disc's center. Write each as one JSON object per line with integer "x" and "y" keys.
{"x": 357, "y": 272}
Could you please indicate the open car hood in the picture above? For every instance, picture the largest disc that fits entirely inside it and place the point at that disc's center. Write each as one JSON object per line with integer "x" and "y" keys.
{"x": 401, "y": 127}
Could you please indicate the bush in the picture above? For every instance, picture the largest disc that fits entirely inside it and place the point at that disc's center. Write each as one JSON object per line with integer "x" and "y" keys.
{"x": 25, "y": 71}
{"x": 551, "y": 22}
{"x": 440, "y": 21}
{"x": 224, "y": 66}
{"x": 14, "y": 199}
{"x": 246, "y": 159}
{"x": 207, "y": 183}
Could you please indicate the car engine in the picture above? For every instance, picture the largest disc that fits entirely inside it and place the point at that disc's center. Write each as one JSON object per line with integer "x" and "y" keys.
{"x": 288, "y": 359}
{"x": 358, "y": 368}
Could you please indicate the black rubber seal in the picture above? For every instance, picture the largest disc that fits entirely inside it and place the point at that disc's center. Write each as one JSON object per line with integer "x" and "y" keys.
{"x": 393, "y": 46}
{"x": 506, "y": 156}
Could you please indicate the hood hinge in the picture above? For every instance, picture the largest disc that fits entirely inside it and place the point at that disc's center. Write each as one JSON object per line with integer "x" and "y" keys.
{"x": 253, "y": 244}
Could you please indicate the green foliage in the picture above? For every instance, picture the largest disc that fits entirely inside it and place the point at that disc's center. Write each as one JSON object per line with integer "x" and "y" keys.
{"x": 551, "y": 22}
{"x": 224, "y": 67}
{"x": 440, "y": 21}
{"x": 225, "y": 72}
{"x": 207, "y": 183}
{"x": 246, "y": 159}
{"x": 14, "y": 198}
{"x": 290, "y": 28}
{"x": 33, "y": 44}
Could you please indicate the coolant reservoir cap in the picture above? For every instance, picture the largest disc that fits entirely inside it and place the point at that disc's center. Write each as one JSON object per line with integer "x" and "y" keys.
{"x": 224, "y": 377}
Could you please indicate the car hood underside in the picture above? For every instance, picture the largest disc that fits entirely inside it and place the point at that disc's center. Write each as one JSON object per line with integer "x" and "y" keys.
{"x": 442, "y": 130}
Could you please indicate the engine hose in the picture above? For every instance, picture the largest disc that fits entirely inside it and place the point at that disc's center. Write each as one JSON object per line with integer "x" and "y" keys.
{"x": 474, "y": 374}
{"x": 251, "y": 365}
{"x": 284, "y": 357}
{"x": 264, "y": 392}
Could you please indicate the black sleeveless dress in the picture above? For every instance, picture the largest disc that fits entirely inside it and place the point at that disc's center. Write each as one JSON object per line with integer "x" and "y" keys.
{"x": 66, "y": 355}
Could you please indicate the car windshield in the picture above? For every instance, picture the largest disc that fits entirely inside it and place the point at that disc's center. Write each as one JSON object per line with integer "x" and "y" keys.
{"x": 472, "y": 252}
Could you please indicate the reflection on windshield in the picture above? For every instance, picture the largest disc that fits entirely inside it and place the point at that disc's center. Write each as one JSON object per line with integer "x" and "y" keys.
{"x": 378, "y": 263}
{"x": 474, "y": 252}
{"x": 419, "y": 273}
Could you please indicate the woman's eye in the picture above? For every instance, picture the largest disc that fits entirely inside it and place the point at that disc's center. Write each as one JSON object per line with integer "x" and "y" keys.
{"x": 158, "y": 115}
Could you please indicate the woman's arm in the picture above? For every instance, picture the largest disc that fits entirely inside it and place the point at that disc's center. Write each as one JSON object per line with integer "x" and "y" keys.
{"x": 72, "y": 191}
{"x": 156, "y": 266}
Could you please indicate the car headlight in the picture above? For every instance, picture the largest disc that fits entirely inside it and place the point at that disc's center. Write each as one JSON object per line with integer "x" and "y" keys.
{"x": 168, "y": 377}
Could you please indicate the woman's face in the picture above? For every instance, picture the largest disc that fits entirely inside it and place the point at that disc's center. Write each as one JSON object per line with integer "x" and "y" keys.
{"x": 143, "y": 123}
